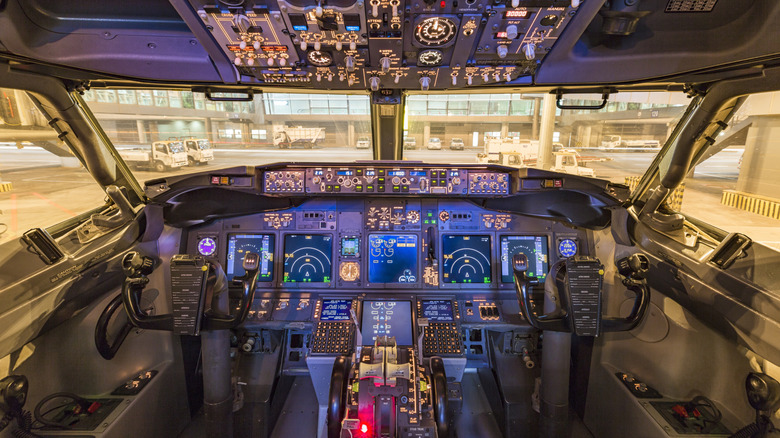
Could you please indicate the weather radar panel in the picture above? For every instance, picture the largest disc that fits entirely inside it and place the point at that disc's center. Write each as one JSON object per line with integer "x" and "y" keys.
{"x": 307, "y": 258}
{"x": 466, "y": 259}
{"x": 534, "y": 248}
{"x": 392, "y": 258}
{"x": 260, "y": 244}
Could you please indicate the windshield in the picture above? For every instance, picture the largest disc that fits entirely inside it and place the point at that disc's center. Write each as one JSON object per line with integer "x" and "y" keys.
{"x": 305, "y": 127}
{"x": 617, "y": 142}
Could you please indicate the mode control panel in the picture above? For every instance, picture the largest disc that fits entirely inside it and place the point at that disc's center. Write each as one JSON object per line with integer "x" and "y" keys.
{"x": 388, "y": 181}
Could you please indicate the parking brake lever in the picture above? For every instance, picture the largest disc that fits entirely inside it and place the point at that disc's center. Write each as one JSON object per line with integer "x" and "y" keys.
{"x": 555, "y": 321}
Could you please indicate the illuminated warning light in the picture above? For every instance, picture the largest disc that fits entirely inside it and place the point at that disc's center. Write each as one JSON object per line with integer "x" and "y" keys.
{"x": 501, "y": 35}
{"x": 517, "y": 14}
{"x": 443, "y": 3}
{"x": 352, "y": 28}
{"x": 270, "y": 48}
{"x": 364, "y": 428}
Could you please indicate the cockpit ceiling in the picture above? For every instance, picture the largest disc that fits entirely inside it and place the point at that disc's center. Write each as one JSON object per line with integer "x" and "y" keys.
{"x": 408, "y": 44}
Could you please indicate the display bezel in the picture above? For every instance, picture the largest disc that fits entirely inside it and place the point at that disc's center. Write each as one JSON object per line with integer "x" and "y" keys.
{"x": 421, "y": 313}
{"x": 367, "y": 268}
{"x": 501, "y": 238}
{"x": 272, "y": 246}
{"x": 366, "y": 247}
{"x": 448, "y": 285}
{"x": 298, "y": 285}
{"x": 367, "y": 335}
{"x": 350, "y": 301}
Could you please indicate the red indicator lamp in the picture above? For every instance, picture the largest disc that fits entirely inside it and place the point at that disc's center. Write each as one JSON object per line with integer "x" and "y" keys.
{"x": 443, "y": 3}
{"x": 363, "y": 428}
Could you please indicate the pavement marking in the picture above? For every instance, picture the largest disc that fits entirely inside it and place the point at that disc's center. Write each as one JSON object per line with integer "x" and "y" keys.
{"x": 53, "y": 204}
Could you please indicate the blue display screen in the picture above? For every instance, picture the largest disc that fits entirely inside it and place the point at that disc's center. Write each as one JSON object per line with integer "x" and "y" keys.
{"x": 344, "y": 172}
{"x": 240, "y": 244}
{"x": 387, "y": 318}
{"x": 397, "y": 173}
{"x": 534, "y": 248}
{"x": 392, "y": 258}
{"x": 307, "y": 258}
{"x": 466, "y": 259}
{"x": 437, "y": 310}
{"x": 336, "y": 310}
{"x": 417, "y": 173}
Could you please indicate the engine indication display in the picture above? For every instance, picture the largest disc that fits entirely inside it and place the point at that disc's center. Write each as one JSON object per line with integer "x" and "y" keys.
{"x": 534, "y": 248}
{"x": 260, "y": 244}
{"x": 435, "y": 31}
{"x": 307, "y": 258}
{"x": 466, "y": 259}
{"x": 437, "y": 310}
{"x": 392, "y": 258}
{"x": 387, "y": 318}
{"x": 336, "y": 310}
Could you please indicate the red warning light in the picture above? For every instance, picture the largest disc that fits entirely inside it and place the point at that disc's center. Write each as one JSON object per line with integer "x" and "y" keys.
{"x": 363, "y": 428}
{"x": 443, "y": 3}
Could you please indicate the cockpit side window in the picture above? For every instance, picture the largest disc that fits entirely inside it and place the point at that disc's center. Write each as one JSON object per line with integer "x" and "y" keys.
{"x": 735, "y": 183}
{"x": 42, "y": 183}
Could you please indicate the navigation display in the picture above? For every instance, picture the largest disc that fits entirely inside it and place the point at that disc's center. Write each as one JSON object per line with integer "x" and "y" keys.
{"x": 392, "y": 258}
{"x": 534, "y": 247}
{"x": 466, "y": 259}
{"x": 437, "y": 310}
{"x": 240, "y": 244}
{"x": 387, "y": 318}
{"x": 307, "y": 258}
{"x": 336, "y": 310}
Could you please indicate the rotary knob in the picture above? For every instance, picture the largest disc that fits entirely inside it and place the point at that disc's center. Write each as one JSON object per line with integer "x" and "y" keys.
{"x": 502, "y": 51}
{"x": 511, "y": 32}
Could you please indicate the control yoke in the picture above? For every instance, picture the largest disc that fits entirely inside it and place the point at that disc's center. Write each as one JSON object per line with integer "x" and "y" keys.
{"x": 578, "y": 281}
{"x": 193, "y": 281}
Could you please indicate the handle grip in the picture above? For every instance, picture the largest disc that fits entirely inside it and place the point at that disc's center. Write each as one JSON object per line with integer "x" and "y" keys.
{"x": 555, "y": 321}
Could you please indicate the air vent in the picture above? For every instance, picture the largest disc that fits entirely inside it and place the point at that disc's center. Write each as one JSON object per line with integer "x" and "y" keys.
{"x": 690, "y": 5}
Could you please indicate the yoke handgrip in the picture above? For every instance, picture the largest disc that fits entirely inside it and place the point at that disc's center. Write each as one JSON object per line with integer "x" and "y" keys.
{"x": 217, "y": 321}
{"x": 131, "y": 299}
{"x": 553, "y": 322}
{"x": 641, "y": 303}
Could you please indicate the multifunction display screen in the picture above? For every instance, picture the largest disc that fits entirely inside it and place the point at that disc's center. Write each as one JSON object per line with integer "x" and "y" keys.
{"x": 307, "y": 258}
{"x": 466, "y": 259}
{"x": 534, "y": 248}
{"x": 392, "y": 258}
{"x": 240, "y": 244}
{"x": 437, "y": 310}
{"x": 336, "y": 310}
{"x": 387, "y": 318}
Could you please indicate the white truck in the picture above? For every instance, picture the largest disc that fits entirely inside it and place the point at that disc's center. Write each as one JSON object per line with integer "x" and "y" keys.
{"x": 163, "y": 155}
{"x": 199, "y": 151}
{"x": 569, "y": 161}
{"x": 616, "y": 141}
{"x": 287, "y": 136}
{"x": 510, "y": 152}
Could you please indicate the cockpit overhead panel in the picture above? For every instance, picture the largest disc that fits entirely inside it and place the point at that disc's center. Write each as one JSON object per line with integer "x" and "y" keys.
{"x": 385, "y": 44}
